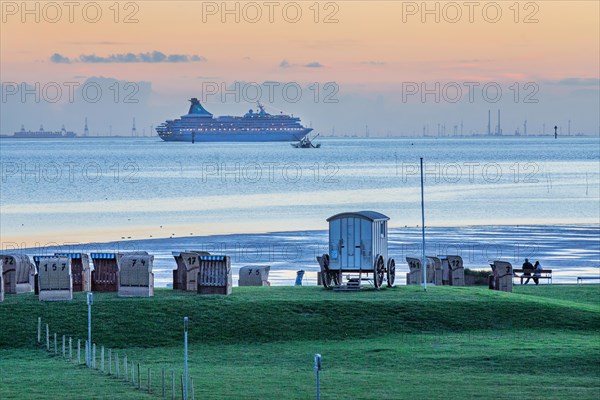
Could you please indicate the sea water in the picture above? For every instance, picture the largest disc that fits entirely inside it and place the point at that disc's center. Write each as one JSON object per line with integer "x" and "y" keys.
{"x": 123, "y": 189}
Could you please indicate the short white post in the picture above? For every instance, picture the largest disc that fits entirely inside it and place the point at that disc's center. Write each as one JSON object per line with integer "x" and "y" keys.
{"x": 64, "y": 353}
{"x": 317, "y": 370}
{"x": 47, "y": 338}
{"x": 125, "y": 375}
{"x": 78, "y": 351}
{"x": 70, "y": 348}
{"x": 39, "y": 331}
{"x": 90, "y": 301}
{"x": 102, "y": 358}
{"x": 55, "y": 345}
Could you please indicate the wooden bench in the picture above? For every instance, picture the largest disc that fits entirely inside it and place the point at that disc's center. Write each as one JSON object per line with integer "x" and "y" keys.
{"x": 580, "y": 279}
{"x": 535, "y": 273}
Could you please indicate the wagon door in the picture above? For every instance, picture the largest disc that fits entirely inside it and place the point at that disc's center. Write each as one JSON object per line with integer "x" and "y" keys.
{"x": 351, "y": 250}
{"x": 366, "y": 244}
{"x": 353, "y": 244}
{"x": 346, "y": 246}
{"x": 335, "y": 243}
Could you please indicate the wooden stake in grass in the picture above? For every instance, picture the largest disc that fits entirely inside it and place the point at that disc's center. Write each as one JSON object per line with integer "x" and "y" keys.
{"x": 117, "y": 364}
{"x": 87, "y": 349}
{"x": 47, "y": 338}
{"x": 55, "y": 345}
{"x": 70, "y": 348}
{"x": 125, "y": 375}
{"x": 63, "y": 346}
{"x": 163, "y": 383}
{"x": 132, "y": 374}
{"x": 172, "y": 385}
{"x": 78, "y": 351}
{"x": 109, "y": 361}
{"x": 39, "y": 331}
{"x": 182, "y": 391}
{"x": 102, "y": 358}
{"x": 93, "y": 356}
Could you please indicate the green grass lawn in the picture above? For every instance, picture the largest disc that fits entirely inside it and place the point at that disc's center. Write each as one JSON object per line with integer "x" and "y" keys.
{"x": 539, "y": 342}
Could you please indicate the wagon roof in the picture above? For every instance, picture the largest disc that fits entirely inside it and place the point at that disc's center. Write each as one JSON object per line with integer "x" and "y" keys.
{"x": 370, "y": 215}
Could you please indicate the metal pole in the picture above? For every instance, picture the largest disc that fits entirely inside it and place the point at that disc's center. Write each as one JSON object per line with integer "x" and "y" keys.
{"x": 424, "y": 260}
{"x": 90, "y": 300}
{"x": 185, "y": 357}
{"x": 317, "y": 369}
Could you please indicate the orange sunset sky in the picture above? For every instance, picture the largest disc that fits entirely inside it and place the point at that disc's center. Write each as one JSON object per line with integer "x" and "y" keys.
{"x": 369, "y": 49}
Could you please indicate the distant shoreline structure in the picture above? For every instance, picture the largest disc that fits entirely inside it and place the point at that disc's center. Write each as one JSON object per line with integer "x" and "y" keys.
{"x": 43, "y": 134}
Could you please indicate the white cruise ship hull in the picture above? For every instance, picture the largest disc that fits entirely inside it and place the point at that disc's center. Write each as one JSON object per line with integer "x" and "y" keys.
{"x": 240, "y": 136}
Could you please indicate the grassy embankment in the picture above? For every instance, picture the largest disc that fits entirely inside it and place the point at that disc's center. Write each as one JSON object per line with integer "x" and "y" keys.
{"x": 539, "y": 342}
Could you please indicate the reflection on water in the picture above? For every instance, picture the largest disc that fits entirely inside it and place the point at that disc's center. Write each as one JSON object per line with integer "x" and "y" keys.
{"x": 106, "y": 189}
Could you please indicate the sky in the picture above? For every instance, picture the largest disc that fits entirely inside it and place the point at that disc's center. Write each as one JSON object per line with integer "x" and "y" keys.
{"x": 344, "y": 67}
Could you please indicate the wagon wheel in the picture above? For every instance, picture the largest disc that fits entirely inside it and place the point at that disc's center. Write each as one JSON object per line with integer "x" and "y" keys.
{"x": 378, "y": 272}
{"x": 325, "y": 274}
{"x": 391, "y": 272}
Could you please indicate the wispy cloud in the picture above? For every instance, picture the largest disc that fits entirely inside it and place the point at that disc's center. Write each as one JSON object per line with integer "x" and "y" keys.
{"x": 150, "y": 57}
{"x": 284, "y": 64}
{"x": 314, "y": 64}
{"x": 373, "y": 62}
{"x": 577, "y": 82}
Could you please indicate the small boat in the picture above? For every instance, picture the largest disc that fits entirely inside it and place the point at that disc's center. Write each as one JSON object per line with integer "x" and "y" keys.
{"x": 306, "y": 143}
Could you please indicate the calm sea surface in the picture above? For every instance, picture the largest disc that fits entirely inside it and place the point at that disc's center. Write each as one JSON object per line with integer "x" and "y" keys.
{"x": 112, "y": 189}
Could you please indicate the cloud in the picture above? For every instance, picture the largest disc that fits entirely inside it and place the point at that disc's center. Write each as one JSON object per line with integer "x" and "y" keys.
{"x": 577, "y": 82}
{"x": 59, "y": 59}
{"x": 314, "y": 64}
{"x": 284, "y": 64}
{"x": 150, "y": 57}
{"x": 373, "y": 62}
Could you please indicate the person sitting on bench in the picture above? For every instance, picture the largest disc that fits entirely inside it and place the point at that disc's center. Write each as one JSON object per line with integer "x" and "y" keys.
{"x": 537, "y": 274}
{"x": 527, "y": 268}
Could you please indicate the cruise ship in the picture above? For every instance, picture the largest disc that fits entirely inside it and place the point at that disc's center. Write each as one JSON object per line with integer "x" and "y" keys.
{"x": 260, "y": 126}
